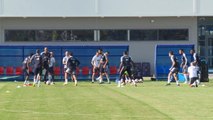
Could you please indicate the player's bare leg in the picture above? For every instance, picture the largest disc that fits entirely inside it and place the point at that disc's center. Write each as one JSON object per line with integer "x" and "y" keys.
{"x": 176, "y": 79}
{"x": 107, "y": 76}
{"x": 75, "y": 80}
{"x": 38, "y": 80}
{"x": 65, "y": 78}
{"x": 169, "y": 78}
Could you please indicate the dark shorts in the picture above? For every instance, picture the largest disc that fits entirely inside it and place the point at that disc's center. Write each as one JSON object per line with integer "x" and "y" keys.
{"x": 174, "y": 70}
{"x": 104, "y": 70}
{"x": 51, "y": 70}
{"x": 65, "y": 70}
{"x": 126, "y": 70}
{"x": 95, "y": 70}
{"x": 192, "y": 80}
{"x": 37, "y": 70}
{"x": 25, "y": 71}
{"x": 71, "y": 71}
{"x": 184, "y": 69}
{"x": 46, "y": 66}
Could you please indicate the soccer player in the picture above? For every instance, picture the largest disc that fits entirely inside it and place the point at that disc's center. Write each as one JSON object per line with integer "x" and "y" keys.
{"x": 195, "y": 57}
{"x": 192, "y": 70}
{"x": 120, "y": 76}
{"x": 174, "y": 69}
{"x": 25, "y": 67}
{"x": 104, "y": 66}
{"x": 37, "y": 67}
{"x": 45, "y": 55}
{"x": 125, "y": 67}
{"x": 64, "y": 61}
{"x": 72, "y": 64}
{"x": 96, "y": 64}
{"x": 196, "y": 60}
{"x": 183, "y": 65}
{"x": 51, "y": 69}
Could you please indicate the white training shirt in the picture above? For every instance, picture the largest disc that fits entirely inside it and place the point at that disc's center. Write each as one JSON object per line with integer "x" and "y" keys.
{"x": 96, "y": 60}
{"x": 192, "y": 70}
{"x": 65, "y": 59}
{"x": 52, "y": 62}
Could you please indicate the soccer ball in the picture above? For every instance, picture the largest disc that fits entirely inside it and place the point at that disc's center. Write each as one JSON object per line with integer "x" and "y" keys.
{"x": 48, "y": 82}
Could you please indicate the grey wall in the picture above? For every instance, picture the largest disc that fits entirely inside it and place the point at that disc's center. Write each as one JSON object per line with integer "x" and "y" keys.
{"x": 140, "y": 51}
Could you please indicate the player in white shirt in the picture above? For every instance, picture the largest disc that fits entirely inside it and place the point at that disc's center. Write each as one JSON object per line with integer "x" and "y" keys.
{"x": 96, "y": 64}
{"x": 192, "y": 71}
{"x": 64, "y": 61}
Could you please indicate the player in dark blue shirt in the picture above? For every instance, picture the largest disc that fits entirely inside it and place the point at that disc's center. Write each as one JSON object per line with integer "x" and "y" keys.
{"x": 174, "y": 69}
{"x": 37, "y": 67}
{"x": 104, "y": 66}
{"x": 195, "y": 59}
{"x": 72, "y": 64}
{"x": 25, "y": 68}
{"x": 45, "y": 55}
{"x": 125, "y": 66}
{"x": 184, "y": 65}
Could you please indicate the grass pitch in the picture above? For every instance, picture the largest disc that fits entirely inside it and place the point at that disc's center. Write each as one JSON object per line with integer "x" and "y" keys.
{"x": 148, "y": 101}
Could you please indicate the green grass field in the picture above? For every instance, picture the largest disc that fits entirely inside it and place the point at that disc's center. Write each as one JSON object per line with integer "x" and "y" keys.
{"x": 148, "y": 101}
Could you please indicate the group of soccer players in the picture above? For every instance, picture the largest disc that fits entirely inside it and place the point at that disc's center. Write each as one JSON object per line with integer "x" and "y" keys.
{"x": 70, "y": 65}
{"x": 125, "y": 70}
{"x": 191, "y": 72}
{"x": 43, "y": 61}
{"x": 100, "y": 64}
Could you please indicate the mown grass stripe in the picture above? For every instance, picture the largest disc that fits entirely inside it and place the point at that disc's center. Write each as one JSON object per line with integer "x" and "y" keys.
{"x": 138, "y": 101}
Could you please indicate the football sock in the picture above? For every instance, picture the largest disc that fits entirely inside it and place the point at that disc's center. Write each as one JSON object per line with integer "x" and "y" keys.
{"x": 177, "y": 82}
{"x": 197, "y": 82}
{"x": 107, "y": 78}
{"x": 186, "y": 78}
{"x": 169, "y": 80}
{"x": 66, "y": 80}
{"x": 38, "y": 83}
{"x": 76, "y": 82}
{"x": 98, "y": 78}
{"x": 49, "y": 77}
{"x": 35, "y": 81}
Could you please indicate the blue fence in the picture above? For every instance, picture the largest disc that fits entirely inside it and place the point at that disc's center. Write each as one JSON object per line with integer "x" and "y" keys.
{"x": 12, "y": 57}
{"x": 162, "y": 60}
